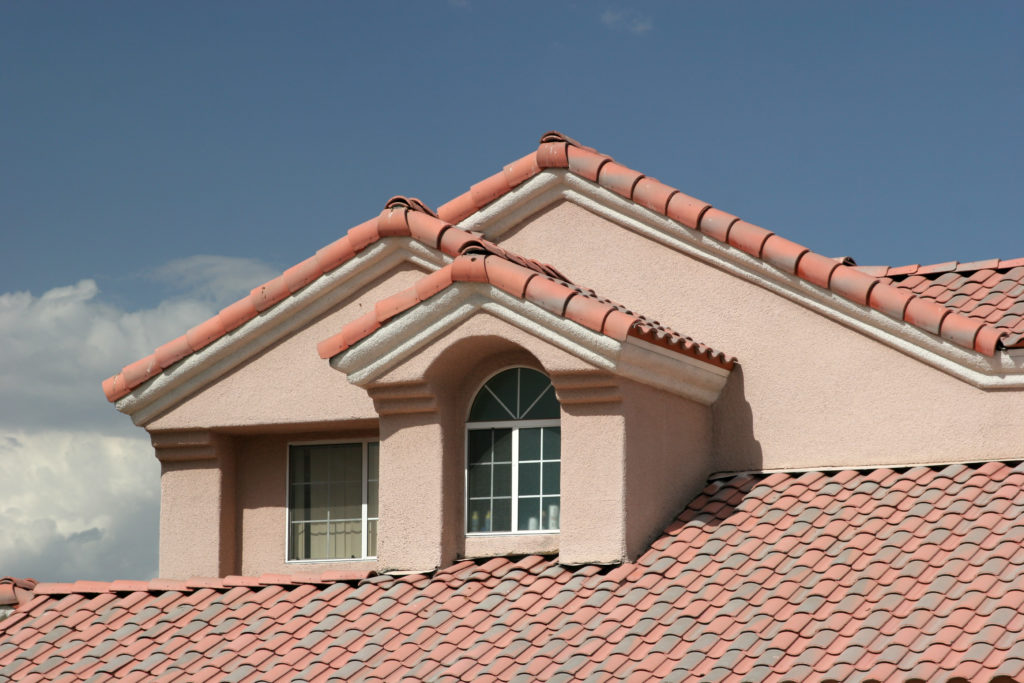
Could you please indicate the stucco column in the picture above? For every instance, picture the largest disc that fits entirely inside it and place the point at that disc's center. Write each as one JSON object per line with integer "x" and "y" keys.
{"x": 197, "y": 504}
{"x": 413, "y": 533}
{"x": 593, "y": 518}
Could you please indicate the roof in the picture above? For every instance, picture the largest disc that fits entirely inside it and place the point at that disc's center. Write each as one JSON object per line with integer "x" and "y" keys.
{"x": 15, "y": 591}
{"x": 889, "y": 575}
{"x": 990, "y": 292}
{"x": 411, "y": 218}
{"x": 540, "y": 284}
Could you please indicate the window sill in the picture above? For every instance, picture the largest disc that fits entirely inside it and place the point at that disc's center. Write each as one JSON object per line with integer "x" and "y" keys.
{"x": 521, "y": 543}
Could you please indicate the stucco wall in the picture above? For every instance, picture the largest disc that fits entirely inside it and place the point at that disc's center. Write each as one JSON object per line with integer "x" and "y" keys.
{"x": 288, "y": 383}
{"x": 668, "y": 441}
{"x": 262, "y": 499}
{"x": 811, "y": 393}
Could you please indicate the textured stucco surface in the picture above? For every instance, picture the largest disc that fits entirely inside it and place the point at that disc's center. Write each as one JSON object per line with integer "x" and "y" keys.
{"x": 195, "y": 535}
{"x": 810, "y": 392}
{"x": 288, "y": 382}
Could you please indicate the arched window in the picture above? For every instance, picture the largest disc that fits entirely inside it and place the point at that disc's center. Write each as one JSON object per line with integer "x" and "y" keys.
{"x": 513, "y": 455}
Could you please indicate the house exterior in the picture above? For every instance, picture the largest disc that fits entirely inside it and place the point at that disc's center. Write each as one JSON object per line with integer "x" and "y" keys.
{"x": 458, "y": 445}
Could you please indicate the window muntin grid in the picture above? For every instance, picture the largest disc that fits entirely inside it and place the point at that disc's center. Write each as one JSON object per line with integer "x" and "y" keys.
{"x": 332, "y": 501}
{"x": 513, "y": 455}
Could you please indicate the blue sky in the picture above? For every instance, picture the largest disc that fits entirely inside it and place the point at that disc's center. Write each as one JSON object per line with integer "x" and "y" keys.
{"x": 158, "y": 160}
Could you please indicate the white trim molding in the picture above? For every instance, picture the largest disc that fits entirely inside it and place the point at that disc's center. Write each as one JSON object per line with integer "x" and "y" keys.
{"x": 1005, "y": 370}
{"x": 407, "y": 334}
{"x": 200, "y": 369}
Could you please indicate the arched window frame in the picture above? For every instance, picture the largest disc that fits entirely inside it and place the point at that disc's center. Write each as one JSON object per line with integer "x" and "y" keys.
{"x": 516, "y": 426}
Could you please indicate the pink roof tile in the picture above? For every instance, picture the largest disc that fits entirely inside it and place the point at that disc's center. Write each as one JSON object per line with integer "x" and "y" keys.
{"x": 997, "y": 285}
{"x": 484, "y": 262}
{"x": 706, "y": 600}
{"x": 410, "y": 217}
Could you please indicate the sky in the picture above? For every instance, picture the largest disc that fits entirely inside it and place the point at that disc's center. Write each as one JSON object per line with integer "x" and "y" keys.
{"x": 158, "y": 160}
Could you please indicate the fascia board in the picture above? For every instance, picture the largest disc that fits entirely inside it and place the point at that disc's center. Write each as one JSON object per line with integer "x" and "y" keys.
{"x": 164, "y": 391}
{"x": 407, "y": 334}
{"x": 672, "y": 372}
{"x": 1005, "y": 370}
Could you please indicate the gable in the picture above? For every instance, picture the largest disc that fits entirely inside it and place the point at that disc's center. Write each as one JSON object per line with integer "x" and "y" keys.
{"x": 534, "y": 298}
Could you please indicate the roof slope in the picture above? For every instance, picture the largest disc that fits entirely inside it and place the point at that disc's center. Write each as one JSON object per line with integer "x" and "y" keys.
{"x": 991, "y": 292}
{"x": 401, "y": 217}
{"x": 889, "y": 575}
{"x": 559, "y": 151}
{"x": 482, "y": 261}
{"x": 411, "y": 218}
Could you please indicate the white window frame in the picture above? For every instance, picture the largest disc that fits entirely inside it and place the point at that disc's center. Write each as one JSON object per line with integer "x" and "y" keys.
{"x": 515, "y": 426}
{"x": 364, "y": 508}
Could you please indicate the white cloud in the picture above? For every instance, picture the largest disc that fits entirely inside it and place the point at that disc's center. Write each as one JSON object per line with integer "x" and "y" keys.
{"x": 76, "y": 505}
{"x": 626, "y": 20}
{"x": 221, "y": 280}
{"x": 79, "y": 485}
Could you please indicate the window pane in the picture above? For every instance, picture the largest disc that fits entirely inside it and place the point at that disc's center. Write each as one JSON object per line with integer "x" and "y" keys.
{"x": 346, "y": 540}
{"x": 347, "y": 462}
{"x": 550, "y": 512}
{"x": 297, "y": 549}
{"x": 479, "y": 481}
{"x": 529, "y": 444}
{"x": 529, "y": 514}
{"x": 486, "y": 408}
{"x": 372, "y": 504}
{"x": 313, "y": 541}
{"x": 529, "y": 478}
{"x": 373, "y": 461}
{"x": 537, "y": 397}
{"x": 479, "y": 446}
{"x": 503, "y": 385}
{"x": 546, "y": 408}
{"x": 309, "y": 501}
{"x": 502, "y": 480}
{"x": 502, "y": 445}
{"x": 552, "y": 473}
{"x": 347, "y": 500}
{"x": 298, "y": 465}
{"x": 371, "y": 538}
{"x": 502, "y": 515}
{"x": 319, "y": 465}
{"x": 552, "y": 443}
{"x": 479, "y": 518}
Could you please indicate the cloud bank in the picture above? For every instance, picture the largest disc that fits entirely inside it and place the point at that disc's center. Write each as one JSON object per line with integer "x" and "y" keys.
{"x": 80, "y": 484}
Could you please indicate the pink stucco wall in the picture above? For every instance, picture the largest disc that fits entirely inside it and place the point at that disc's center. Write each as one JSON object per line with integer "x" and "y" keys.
{"x": 288, "y": 383}
{"x": 809, "y": 392}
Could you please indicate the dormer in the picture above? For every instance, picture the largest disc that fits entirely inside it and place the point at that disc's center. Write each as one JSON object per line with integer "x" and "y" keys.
{"x": 520, "y": 413}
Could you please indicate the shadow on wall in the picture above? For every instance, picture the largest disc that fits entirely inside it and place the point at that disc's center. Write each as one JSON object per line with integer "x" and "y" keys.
{"x": 734, "y": 446}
